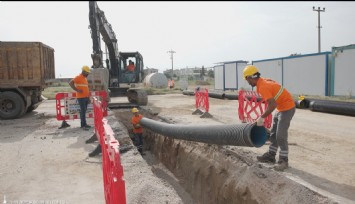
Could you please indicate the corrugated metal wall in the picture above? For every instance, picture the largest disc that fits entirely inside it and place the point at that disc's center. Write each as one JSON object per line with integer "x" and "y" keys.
{"x": 343, "y": 71}
{"x": 230, "y": 73}
{"x": 323, "y": 74}
{"x": 300, "y": 74}
{"x": 227, "y": 76}
{"x": 271, "y": 68}
{"x": 306, "y": 74}
{"x": 242, "y": 83}
{"x": 219, "y": 77}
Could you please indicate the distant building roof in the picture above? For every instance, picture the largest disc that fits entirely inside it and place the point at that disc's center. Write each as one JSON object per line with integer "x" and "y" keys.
{"x": 226, "y": 62}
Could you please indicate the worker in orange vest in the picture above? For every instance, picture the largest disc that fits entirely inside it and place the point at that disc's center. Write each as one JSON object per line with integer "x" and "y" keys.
{"x": 81, "y": 86}
{"x": 172, "y": 83}
{"x": 277, "y": 97}
{"x": 137, "y": 129}
{"x": 131, "y": 66}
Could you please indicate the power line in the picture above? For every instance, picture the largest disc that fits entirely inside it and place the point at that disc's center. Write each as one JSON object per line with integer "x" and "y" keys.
{"x": 319, "y": 27}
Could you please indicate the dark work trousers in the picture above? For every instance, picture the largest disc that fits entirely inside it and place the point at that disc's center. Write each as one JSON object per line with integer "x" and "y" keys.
{"x": 83, "y": 102}
{"x": 279, "y": 132}
{"x": 138, "y": 137}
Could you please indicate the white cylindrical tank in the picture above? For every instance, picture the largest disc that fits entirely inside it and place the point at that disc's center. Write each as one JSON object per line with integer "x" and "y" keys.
{"x": 156, "y": 80}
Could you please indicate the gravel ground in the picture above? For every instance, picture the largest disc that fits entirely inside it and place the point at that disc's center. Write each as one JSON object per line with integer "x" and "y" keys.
{"x": 40, "y": 162}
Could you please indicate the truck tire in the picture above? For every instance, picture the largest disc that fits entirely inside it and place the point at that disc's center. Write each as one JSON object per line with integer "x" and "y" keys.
{"x": 11, "y": 105}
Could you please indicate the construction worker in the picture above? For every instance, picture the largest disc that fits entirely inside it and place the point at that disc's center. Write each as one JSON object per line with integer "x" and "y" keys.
{"x": 137, "y": 129}
{"x": 280, "y": 99}
{"x": 172, "y": 83}
{"x": 131, "y": 66}
{"x": 169, "y": 83}
{"x": 81, "y": 86}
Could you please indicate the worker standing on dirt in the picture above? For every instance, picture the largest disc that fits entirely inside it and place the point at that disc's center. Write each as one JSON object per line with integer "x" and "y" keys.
{"x": 81, "y": 86}
{"x": 137, "y": 129}
{"x": 280, "y": 99}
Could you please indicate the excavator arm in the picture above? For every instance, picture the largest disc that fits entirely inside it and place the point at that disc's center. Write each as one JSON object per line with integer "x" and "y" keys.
{"x": 99, "y": 25}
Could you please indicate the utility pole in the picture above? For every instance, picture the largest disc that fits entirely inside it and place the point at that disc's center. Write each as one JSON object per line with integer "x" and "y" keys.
{"x": 172, "y": 60}
{"x": 319, "y": 27}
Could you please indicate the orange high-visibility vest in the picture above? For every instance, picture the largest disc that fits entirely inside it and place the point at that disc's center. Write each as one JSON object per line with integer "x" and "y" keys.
{"x": 81, "y": 83}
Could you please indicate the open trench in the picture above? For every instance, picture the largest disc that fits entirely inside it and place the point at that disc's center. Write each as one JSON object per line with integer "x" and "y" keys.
{"x": 220, "y": 174}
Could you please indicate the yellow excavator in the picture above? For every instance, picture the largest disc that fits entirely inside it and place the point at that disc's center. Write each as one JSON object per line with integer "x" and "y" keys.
{"x": 121, "y": 80}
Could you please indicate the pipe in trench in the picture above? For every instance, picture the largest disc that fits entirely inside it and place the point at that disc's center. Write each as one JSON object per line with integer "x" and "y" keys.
{"x": 244, "y": 134}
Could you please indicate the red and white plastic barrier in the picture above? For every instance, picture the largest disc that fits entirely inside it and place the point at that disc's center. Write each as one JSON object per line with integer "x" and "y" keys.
{"x": 201, "y": 99}
{"x": 112, "y": 170}
{"x": 251, "y": 106}
{"x": 67, "y": 106}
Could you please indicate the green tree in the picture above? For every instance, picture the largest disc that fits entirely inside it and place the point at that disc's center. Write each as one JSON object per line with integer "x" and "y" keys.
{"x": 210, "y": 73}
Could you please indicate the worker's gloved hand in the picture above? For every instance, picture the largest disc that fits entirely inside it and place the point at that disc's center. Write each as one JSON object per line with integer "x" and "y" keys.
{"x": 260, "y": 121}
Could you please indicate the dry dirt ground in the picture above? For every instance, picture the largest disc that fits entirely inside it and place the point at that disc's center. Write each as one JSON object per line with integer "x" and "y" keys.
{"x": 40, "y": 162}
{"x": 322, "y": 146}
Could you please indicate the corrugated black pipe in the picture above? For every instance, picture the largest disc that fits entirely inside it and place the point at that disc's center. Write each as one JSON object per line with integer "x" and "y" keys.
{"x": 244, "y": 134}
{"x": 216, "y": 95}
{"x": 231, "y": 96}
{"x": 337, "y": 107}
{"x": 302, "y": 103}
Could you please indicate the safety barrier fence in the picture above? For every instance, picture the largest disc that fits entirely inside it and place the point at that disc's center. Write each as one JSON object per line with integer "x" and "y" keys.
{"x": 202, "y": 102}
{"x": 67, "y": 106}
{"x": 201, "y": 99}
{"x": 112, "y": 170}
{"x": 251, "y": 106}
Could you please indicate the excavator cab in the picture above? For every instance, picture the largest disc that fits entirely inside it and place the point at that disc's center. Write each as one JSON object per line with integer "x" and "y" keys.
{"x": 131, "y": 68}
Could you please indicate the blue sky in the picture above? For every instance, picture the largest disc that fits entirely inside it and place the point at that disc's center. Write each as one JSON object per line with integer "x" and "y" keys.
{"x": 201, "y": 33}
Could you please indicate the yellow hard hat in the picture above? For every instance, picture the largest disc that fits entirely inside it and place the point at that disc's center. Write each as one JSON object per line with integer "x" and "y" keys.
{"x": 134, "y": 110}
{"x": 85, "y": 69}
{"x": 249, "y": 70}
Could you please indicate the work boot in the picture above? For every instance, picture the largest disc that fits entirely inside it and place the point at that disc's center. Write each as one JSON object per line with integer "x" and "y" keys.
{"x": 86, "y": 127}
{"x": 64, "y": 125}
{"x": 140, "y": 150}
{"x": 268, "y": 157}
{"x": 91, "y": 139}
{"x": 282, "y": 164}
{"x": 96, "y": 151}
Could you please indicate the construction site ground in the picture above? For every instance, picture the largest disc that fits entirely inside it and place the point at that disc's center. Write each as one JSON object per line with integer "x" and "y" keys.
{"x": 40, "y": 162}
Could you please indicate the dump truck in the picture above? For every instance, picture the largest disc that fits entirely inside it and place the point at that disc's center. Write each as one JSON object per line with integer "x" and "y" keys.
{"x": 26, "y": 68}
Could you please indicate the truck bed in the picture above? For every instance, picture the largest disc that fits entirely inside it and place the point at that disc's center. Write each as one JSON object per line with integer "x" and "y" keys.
{"x": 25, "y": 64}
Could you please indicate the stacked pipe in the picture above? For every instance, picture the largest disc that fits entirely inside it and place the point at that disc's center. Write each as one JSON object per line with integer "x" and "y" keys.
{"x": 219, "y": 95}
{"x": 231, "y": 96}
{"x": 188, "y": 92}
{"x": 337, "y": 107}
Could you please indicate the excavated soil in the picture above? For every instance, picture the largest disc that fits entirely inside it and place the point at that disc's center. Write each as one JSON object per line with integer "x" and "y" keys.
{"x": 224, "y": 174}
{"x": 40, "y": 162}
